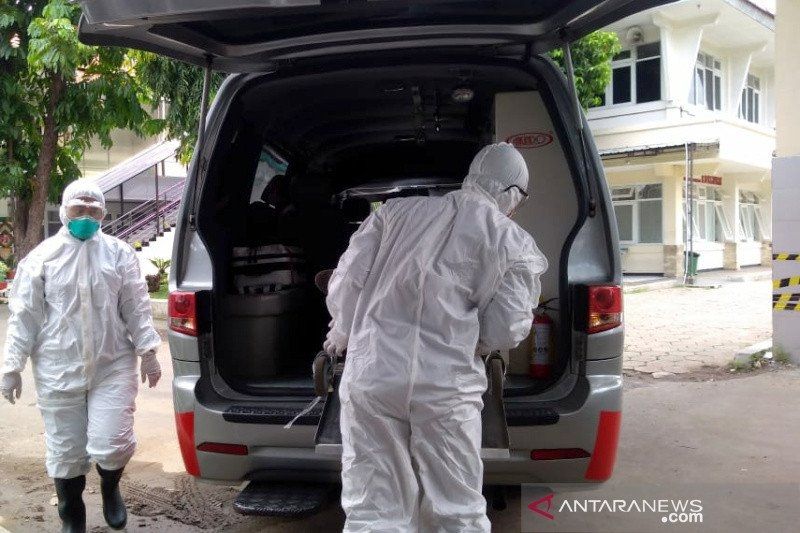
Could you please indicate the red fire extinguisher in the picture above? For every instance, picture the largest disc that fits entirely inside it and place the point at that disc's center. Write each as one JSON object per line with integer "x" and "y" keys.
{"x": 541, "y": 355}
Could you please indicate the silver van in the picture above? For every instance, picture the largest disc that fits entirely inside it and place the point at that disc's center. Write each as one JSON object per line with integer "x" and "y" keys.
{"x": 333, "y": 108}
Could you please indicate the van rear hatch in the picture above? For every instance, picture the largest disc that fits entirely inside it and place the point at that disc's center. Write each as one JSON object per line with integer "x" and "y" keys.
{"x": 248, "y": 35}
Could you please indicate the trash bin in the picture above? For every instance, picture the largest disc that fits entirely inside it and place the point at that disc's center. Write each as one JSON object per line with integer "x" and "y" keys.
{"x": 692, "y": 263}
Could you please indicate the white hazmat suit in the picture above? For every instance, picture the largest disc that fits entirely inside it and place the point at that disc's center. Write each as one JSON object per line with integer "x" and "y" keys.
{"x": 80, "y": 311}
{"x": 423, "y": 282}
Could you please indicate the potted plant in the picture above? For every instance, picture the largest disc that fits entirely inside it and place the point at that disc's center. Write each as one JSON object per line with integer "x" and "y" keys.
{"x": 3, "y": 271}
{"x": 137, "y": 246}
{"x": 11, "y": 267}
{"x": 154, "y": 281}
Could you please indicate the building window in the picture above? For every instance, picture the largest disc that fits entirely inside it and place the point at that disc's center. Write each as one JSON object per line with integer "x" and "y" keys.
{"x": 751, "y": 219}
{"x": 709, "y": 220}
{"x": 635, "y": 76}
{"x": 706, "y": 89}
{"x": 750, "y": 107}
{"x": 638, "y": 212}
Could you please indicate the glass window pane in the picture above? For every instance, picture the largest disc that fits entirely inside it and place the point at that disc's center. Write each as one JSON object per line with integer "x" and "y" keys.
{"x": 622, "y": 85}
{"x": 650, "y": 221}
{"x": 701, "y": 218}
{"x": 709, "y": 61}
{"x": 709, "y": 84}
{"x": 624, "y": 213}
{"x": 711, "y": 234}
{"x": 717, "y": 93}
{"x": 623, "y": 193}
{"x": 750, "y": 105}
{"x": 699, "y": 89}
{"x": 648, "y": 80}
{"x": 650, "y": 191}
{"x": 648, "y": 50}
{"x": 625, "y": 54}
{"x": 756, "y": 102}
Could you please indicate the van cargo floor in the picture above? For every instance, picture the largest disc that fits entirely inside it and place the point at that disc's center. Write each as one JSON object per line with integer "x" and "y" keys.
{"x": 286, "y": 499}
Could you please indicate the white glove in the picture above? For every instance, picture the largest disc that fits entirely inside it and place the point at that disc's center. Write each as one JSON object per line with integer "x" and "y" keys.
{"x": 150, "y": 368}
{"x": 11, "y": 384}
{"x": 332, "y": 347}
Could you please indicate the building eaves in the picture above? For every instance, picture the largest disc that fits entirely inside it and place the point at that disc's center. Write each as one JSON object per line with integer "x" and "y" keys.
{"x": 655, "y": 149}
{"x": 757, "y": 13}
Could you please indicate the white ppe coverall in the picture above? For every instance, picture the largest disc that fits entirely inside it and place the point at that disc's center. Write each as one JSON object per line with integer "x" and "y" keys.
{"x": 80, "y": 311}
{"x": 424, "y": 280}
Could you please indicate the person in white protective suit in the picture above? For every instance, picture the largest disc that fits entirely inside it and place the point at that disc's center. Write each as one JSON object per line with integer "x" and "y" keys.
{"x": 80, "y": 311}
{"x": 427, "y": 286}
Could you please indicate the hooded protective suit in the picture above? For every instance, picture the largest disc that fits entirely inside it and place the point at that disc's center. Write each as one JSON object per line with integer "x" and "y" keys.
{"x": 423, "y": 281}
{"x": 80, "y": 311}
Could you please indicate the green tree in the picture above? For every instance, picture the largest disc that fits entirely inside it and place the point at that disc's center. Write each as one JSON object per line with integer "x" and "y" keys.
{"x": 181, "y": 86}
{"x": 591, "y": 57}
{"x": 56, "y": 97}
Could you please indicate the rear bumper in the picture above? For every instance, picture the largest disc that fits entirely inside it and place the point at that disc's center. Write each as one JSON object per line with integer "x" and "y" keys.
{"x": 278, "y": 453}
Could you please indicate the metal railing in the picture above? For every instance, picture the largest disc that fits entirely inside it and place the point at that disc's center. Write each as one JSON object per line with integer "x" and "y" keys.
{"x": 152, "y": 213}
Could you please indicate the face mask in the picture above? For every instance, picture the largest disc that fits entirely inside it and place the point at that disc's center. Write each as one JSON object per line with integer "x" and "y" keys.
{"x": 83, "y": 228}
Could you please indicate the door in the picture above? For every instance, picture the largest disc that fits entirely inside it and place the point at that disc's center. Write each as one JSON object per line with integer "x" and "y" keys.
{"x": 247, "y": 35}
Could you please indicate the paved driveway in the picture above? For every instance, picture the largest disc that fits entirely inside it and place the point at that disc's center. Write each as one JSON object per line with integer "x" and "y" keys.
{"x": 682, "y": 329}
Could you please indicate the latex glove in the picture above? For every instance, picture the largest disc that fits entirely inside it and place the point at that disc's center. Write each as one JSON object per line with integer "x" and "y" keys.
{"x": 332, "y": 347}
{"x": 150, "y": 368}
{"x": 11, "y": 384}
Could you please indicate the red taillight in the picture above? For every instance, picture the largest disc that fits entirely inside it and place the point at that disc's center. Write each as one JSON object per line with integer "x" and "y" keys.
{"x": 550, "y": 454}
{"x": 184, "y": 422}
{"x": 605, "y": 308}
{"x": 221, "y": 447}
{"x": 182, "y": 311}
{"x": 604, "y": 454}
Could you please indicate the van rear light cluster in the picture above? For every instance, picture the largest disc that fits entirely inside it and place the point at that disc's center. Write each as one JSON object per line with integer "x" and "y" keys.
{"x": 605, "y": 308}
{"x": 182, "y": 312}
{"x": 222, "y": 447}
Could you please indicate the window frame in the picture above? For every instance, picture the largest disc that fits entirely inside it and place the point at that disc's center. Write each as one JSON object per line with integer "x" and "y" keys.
{"x": 631, "y": 63}
{"x": 752, "y": 113}
{"x": 712, "y": 64}
{"x": 635, "y": 203}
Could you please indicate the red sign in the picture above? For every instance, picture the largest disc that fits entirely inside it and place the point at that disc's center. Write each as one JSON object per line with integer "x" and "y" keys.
{"x": 533, "y": 139}
{"x": 708, "y": 180}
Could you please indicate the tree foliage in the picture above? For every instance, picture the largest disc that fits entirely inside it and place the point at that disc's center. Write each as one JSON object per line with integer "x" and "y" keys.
{"x": 57, "y": 96}
{"x": 181, "y": 85}
{"x": 591, "y": 58}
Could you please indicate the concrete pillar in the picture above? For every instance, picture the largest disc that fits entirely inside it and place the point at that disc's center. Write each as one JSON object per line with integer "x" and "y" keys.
{"x": 730, "y": 205}
{"x": 680, "y": 43}
{"x": 672, "y": 217}
{"x": 786, "y": 171}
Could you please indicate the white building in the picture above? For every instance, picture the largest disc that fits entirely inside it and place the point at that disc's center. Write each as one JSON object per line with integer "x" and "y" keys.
{"x": 692, "y": 88}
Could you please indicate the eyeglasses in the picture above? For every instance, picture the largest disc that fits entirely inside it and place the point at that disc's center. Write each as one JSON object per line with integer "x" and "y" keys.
{"x": 524, "y": 194}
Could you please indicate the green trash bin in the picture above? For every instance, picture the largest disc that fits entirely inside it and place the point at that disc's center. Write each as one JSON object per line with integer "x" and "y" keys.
{"x": 692, "y": 263}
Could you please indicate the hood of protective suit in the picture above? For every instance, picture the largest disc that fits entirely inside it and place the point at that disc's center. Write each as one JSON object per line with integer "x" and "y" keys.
{"x": 77, "y": 189}
{"x": 496, "y": 168}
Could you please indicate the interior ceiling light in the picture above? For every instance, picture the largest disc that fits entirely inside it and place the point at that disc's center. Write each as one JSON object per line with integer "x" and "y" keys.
{"x": 462, "y": 95}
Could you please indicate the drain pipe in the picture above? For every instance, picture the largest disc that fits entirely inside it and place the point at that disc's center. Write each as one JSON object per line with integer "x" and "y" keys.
{"x": 688, "y": 210}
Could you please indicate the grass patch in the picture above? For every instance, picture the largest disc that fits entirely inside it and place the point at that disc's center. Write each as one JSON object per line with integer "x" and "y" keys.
{"x": 161, "y": 293}
{"x": 780, "y": 355}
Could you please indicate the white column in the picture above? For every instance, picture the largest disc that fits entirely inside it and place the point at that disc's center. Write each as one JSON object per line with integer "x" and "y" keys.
{"x": 680, "y": 43}
{"x": 786, "y": 171}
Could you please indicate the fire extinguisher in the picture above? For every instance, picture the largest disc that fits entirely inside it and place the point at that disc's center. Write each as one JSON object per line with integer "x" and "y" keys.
{"x": 541, "y": 355}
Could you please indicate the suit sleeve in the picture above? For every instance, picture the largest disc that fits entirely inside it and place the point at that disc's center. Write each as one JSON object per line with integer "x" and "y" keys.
{"x": 134, "y": 305}
{"x": 506, "y": 319}
{"x": 347, "y": 281}
{"x": 26, "y": 305}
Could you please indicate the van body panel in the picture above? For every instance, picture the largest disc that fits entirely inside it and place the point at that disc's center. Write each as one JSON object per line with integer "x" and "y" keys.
{"x": 249, "y": 35}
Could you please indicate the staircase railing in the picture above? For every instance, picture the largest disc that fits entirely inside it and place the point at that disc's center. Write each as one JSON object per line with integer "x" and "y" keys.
{"x": 150, "y": 213}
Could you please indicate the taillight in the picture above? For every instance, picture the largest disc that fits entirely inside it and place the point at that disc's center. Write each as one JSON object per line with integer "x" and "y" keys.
{"x": 549, "y": 454}
{"x": 184, "y": 423}
{"x": 182, "y": 311}
{"x": 605, "y": 308}
{"x": 221, "y": 447}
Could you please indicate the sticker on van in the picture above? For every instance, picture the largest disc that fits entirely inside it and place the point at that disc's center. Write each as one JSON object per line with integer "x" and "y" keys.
{"x": 534, "y": 139}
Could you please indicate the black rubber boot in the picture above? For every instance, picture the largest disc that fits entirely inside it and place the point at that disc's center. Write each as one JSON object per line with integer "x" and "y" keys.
{"x": 113, "y": 506}
{"x": 70, "y": 504}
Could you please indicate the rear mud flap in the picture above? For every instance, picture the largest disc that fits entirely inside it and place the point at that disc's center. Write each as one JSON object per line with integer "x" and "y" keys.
{"x": 495, "y": 442}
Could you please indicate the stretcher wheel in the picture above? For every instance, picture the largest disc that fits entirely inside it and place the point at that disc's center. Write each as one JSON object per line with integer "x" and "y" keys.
{"x": 322, "y": 371}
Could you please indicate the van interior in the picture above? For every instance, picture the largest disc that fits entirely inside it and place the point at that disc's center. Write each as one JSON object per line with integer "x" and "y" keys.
{"x": 303, "y": 159}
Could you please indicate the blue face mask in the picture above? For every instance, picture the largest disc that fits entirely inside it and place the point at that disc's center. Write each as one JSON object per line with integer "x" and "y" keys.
{"x": 83, "y": 228}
